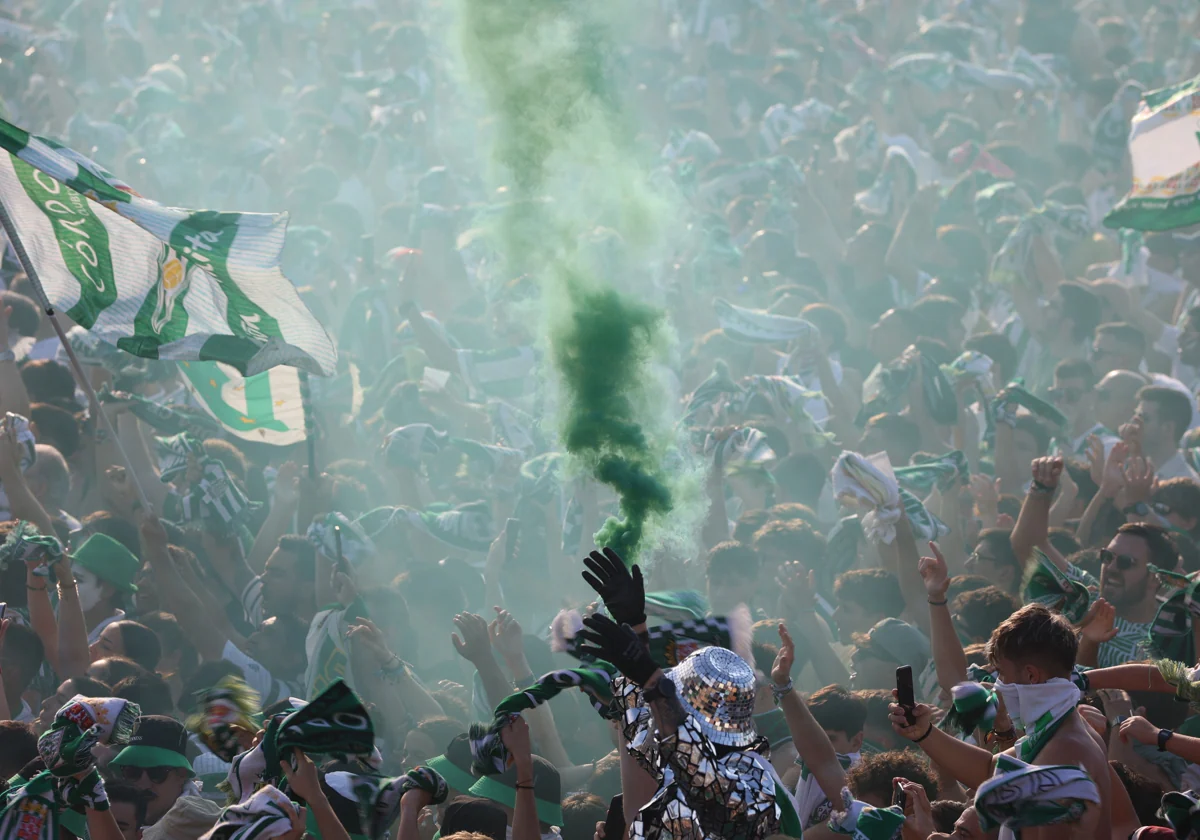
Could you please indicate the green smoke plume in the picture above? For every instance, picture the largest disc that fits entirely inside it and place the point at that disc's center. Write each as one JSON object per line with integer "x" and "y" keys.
{"x": 548, "y": 73}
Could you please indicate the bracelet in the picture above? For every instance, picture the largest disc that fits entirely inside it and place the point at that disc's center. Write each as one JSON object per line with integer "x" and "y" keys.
{"x": 781, "y": 691}
{"x": 1038, "y": 487}
{"x": 928, "y": 732}
{"x": 940, "y": 603}
{"x": 35, "y": 588}
{"x": 520, "y": 786}
{"x": 1005, "y": 735}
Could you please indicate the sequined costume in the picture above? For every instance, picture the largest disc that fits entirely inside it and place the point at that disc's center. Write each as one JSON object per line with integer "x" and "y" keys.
{"x": 699, "y": 795}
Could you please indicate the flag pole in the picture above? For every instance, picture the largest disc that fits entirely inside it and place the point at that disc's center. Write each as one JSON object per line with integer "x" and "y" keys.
{"x": 84, "y": 382}
{"x": 310, "y": 424}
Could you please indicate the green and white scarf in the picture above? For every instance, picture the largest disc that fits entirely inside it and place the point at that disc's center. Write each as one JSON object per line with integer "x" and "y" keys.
{"x": 1184, "y": 678}
{"x": 169, "y": 420}
{"x": 175, "y": 453}
{"x": 1038, "y": 709}
{"x": 377, "y": 799}
{"x": 215, "y": 501}
{"x": 925, "y": 526}
{"x": 1013, "y": 396}
{"x": 752, "y": 326}
{"x": 349, "y": 541}
{"x": 1170, "y": 634}
{"x": 943, "y": 473}
{"x": 490, "y": 755}
{"x": 227, "y": 704}
{"x": 407, "y": 445}
{"x": 1181, "y": 809}
{"x": 812, "y": 806}
{"x": 267, "y": 813}
{"x": 865, "y": 822}
{"x": 1009, "y": 268}
{"x": 745, "y": 446}
{"x": 974, "y": 366}
{"x": 66, "y": 747}
{"x": 1048, "y": 585}
{"x": 1022, "y": 795}
{"x": 859, "y": 483}
{"x": 974, "y": 707}
{"x": 25, "y": 544}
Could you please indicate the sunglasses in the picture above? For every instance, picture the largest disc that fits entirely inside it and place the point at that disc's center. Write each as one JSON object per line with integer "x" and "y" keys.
{"x": 1124, "y": 562}
{"x": 157, "y": 775}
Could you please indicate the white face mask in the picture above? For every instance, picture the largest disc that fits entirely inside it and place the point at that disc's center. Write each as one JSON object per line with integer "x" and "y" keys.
{"x": 88, "y": 586}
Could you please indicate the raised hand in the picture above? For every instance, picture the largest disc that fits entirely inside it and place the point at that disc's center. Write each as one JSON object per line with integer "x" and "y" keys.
{"x": 1139, "y": 730}
{"x": 505, "y": 634}
{"x": 1139, "y": 480}
{"x": 1097, "y": 626}
{"x": 617, "y": 643}
{"x": 781, "y": 669}
{"x": 1046, "y": 471}
{"x": 1112, "y": 480}
{"x": 935, "y": 574}
{"x": 922, "y": 715}
{"x": 474, "y": 645}
{"x": 621, "y": 589}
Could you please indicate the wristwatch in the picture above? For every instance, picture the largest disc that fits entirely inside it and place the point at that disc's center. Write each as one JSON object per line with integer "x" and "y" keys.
{"x": 1139, "y": 509}
{"x": 664, "y": 689}
{"x": 1164, "y": 735}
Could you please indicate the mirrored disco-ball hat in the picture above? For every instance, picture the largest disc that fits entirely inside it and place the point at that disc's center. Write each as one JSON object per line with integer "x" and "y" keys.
{"x": 716, "y": 687}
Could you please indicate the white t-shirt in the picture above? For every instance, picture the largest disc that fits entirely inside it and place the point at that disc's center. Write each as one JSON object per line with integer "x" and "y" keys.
{"x": 1177, "y": 467}
{"x": 257, "y": 677}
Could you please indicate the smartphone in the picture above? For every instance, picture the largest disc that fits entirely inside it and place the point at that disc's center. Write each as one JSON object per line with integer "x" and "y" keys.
{"x": 904, "y": 692}
{"x": 899, "y": 797}
{"x": 614, "y": 823}
{"x": 512, "y": 534}
{"x": 3, "y": 610}
{"x": 339, "y": 562}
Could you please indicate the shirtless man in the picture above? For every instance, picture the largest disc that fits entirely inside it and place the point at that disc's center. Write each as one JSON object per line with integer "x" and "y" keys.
{"x": 1034, "y": 647}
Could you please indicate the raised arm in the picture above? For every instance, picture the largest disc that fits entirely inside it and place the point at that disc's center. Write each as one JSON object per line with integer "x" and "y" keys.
{"x": 950, "y": 662}
{"x": 812, "y": 744}
{"x": 907, "y": 564}
{"x": 305, "y": 781}
{"x": 279, "y": 518}
{"x": 1033, "y": 522}
{"x": 507, "y": 640}
{"x": 187, "y": 608}
{"x": 74, "y": 654}
{"x": 473, "y": 644}
{"x": 971, "y": 766}
{"x": 13, "y": 396}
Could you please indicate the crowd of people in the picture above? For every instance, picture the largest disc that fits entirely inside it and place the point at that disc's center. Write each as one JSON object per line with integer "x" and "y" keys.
{"x": 945, "y": 584}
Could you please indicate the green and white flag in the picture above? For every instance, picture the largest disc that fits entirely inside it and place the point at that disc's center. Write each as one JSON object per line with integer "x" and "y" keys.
{"x": 158, "y": 282}
{"x": 266, "y": 407}
{"x": 1165, "y": 150}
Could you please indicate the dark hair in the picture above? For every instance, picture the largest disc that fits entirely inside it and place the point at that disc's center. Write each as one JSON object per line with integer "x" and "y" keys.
{"x": 304, "y": 552}
{"x": 872, "y": 776}
{"x": 49, "y": 382}
{"x": 996, "y": 347}
{"x": 57, "y": 427}
{"x": 117, "y": 668}
{"x": 90, "y": 687}
{"x": 606, "y": 780}
{"x": 878, "y": 701}
{"x": 1181, "y": 495}
{"x": 23, "y": 647}
{"x": 150, "y": 691}
{"x": 829, "y": 320}
{"x": 877, "y": 590}
{"x": 18, "y": 747}
{"x": 1082, "y": 307}
{"x": 748, "y": 523}
{"x": 936, "y": 311}
{"x": 965, "y": 583}
{"x": 1173, "y": 407}
{"x": 729, "y": 561}
{"x": 111, "y": 525}
{"x": 1064, "y": 541}
{"x": 794, "y": 511}
{"x": 1035, "y": 635}
{"x": 581, "y": 811}
{"x": 945, "y": 814}
{"x": 1158, "y": 540}
{"x": 1124, "y": 333}
{"x": 229, "y": 455}
{"x": 794, "y": 537}
{"x": 800, "y": 477}
{"x": 139, "y": 643}
{"x": 1075, "y": 369}
{"x": 171, "y": 638}
{"x": 979, "y": 612}
{"x": 1144, "y": 793}
{"x": 838, "y": 710}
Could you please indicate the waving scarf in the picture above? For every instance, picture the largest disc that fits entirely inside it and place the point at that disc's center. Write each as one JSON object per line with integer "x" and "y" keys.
{"x": 1052, "y": 218}
{"x": 377, "y": 799}
{"x": 886, "y": 389}
{"x": 227, "y": 704}
{"x": 175, "y": 453}
{"x": 974, "y": 366}
{"x": 858, "y": 482}
{"x": 407, "y": 445}
{"x": 490, "y": 755}
{"x": 925, "y": 525}
{"x": 66, "y": 747}
{"x": 1048, "y": 585}
{"x": 745, "y": 446}
{"x": 25, "y": 544}
{"x": 1021, "y": 795}
{"x": 1014, "y": 396}
{"x": 752, "y": 326}
{"x": 943, "y": 473}
{"x": 1184, "y": 678}
{"x": 266, "y": 814}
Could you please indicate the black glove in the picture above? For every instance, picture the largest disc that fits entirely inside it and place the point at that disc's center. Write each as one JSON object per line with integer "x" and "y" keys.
{"x": 623, "y": 593}
{"x": 618, "y": 644}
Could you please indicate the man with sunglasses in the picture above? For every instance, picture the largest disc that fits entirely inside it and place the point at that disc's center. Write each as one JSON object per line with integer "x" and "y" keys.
{"x": 156, "y": 761}
{"x": 1074, "y": 395}
{"x": 1127, "y": 583}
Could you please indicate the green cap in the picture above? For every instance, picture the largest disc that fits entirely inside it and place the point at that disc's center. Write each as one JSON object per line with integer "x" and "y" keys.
{"x": 108, "y": 560}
